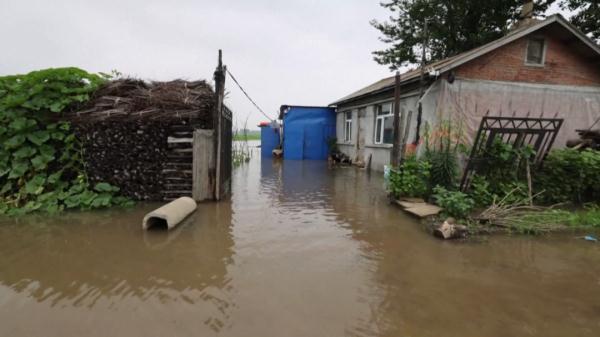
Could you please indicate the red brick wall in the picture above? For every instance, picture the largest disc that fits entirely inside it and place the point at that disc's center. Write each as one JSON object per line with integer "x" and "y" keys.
{"x": 507, "y": 63}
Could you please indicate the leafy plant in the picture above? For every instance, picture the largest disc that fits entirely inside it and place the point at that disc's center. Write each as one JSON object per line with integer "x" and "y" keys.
{"x": 480, "y": 191}
{"x": 442, "y": 147}
{"x": 41, "y": 167}
{"x": 569, "y": 175}
{"x": 456, "y": 204}
{"x": 411, "y": 179}
{"x": 501, "y": 173}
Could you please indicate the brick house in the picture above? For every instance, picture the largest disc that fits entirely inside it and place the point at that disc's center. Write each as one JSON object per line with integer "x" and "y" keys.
{"x": 542, "y": 68}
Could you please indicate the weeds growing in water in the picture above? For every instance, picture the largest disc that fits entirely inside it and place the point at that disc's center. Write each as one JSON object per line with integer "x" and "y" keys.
{"x": 240, "y": 151}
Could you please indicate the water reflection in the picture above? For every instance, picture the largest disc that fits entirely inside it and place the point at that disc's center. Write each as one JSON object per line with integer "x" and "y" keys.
{"x": 299, "y": 250}
{"x": 101, "y": 260}
{"x": 504, "y": 286}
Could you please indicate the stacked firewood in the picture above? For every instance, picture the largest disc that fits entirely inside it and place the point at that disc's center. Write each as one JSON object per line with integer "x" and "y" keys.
{"x": 137, "y": 135}
{"x": 587, "y": 139}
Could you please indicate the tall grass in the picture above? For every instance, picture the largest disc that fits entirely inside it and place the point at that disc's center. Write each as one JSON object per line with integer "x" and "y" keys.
{"x": 240, "y": 151}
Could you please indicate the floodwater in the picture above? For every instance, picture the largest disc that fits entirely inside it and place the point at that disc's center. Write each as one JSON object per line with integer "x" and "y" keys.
{"x": 300, "y": 250}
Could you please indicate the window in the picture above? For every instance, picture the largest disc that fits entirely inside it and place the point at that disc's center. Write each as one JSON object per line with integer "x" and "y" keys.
{"x": 348, "y": 126}
{"x": 384, "y": 124}
{"x": 536, "y": 48}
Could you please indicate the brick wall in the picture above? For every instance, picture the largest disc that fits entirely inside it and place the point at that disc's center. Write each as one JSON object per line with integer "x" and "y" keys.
{"x": 562, "y": 66}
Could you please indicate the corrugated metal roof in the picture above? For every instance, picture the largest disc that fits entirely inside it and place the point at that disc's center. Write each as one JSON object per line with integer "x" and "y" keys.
{"x": 457, "y": 60}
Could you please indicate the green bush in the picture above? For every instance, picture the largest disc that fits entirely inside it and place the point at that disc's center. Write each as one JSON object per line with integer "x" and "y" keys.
{"x": 441, "y": 151}
{"x": 41, "y": 166}
{"x": 411, "y": 179}
{"x": 569, "y": 175}
{"x": 456, "y": 204}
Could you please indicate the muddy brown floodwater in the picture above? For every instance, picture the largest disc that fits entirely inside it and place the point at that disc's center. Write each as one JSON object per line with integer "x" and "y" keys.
{"x": 299, "y": 250}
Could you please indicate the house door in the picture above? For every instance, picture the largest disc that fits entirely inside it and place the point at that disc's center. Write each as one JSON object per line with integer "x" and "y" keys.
{"x": 360, "y": 136}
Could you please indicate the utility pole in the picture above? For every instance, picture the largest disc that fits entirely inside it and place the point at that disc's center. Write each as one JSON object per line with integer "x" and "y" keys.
{"x": 397, "y": 150}
{"x": 219, "y": 77}
{"x": 421, "y": 82}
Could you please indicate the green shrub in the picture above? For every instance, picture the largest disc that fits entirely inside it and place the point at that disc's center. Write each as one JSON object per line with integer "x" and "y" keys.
{"x": 480, "y": 191}
{"x": 569, "y": 175}
{"x": 411, "y": 179}
{"x": 456, "y": 204}
{"x": 501, "y": 175}
{"x": 41, "y": 166}
{"x": 441, "y": 151}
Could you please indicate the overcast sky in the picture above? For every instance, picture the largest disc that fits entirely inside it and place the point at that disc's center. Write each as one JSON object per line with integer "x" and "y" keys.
{"x": 303, "y": 52}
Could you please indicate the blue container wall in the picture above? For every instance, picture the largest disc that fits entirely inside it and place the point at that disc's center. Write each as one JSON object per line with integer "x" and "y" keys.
{"x": 269, "y": 140}
{"x": 306, "y": 131}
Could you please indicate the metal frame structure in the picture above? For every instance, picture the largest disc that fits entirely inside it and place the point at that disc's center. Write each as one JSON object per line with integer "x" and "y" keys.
{"x": 539, "y": 133}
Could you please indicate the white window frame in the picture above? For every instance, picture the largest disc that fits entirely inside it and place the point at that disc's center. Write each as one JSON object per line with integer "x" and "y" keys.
{"x": 380, "y": 118}
{"x": 348, "y": 126}
{"x": 544, "y": 47}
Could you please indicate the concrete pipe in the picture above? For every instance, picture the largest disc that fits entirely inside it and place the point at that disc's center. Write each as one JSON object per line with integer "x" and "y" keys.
{"x": 169, "y": 215}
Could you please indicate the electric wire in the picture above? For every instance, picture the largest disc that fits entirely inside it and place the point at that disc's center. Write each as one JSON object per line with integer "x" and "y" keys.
{"x": 248, "y": 96}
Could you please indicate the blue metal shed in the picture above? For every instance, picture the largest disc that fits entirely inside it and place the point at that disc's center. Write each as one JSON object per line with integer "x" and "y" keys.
{"x": 269, "y": 138}
{"x": 306, "y": 130}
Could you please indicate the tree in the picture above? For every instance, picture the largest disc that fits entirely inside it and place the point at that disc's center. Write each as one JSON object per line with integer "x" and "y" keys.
{"x": 454, "y": 26}
{"x": 586, "y": 17}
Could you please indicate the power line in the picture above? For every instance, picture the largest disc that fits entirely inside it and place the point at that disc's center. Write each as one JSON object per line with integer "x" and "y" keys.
{"x": 248, "y": 96}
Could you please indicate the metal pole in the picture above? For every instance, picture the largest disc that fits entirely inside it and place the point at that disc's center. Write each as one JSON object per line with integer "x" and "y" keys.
{"x": 398, "y": 123}
{"x": 421, "y": 83}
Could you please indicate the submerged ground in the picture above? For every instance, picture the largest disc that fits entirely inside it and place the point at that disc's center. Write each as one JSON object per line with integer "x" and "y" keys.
{"x": 300, "y": 250}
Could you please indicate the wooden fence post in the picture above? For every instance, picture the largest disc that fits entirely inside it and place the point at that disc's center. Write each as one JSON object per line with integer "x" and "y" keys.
{"x": 397, "y": 150}
{"x": 203, "y": 179}
{"x": 217, "y": 122}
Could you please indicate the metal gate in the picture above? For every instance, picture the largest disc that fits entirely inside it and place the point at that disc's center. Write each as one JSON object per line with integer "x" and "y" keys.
{"x": 539, "y": 133}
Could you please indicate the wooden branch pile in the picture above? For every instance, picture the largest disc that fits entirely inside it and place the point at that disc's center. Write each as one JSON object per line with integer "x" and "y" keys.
{"x": 132, "y": 98}
{"x": 587, "y": 139}
{"x": 137, "y": 135}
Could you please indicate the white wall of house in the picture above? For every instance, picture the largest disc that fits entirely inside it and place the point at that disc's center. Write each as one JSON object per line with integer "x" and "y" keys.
{"x": 364, "y": 142}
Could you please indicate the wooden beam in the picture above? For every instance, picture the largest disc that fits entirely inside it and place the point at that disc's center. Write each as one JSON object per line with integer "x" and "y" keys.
{"x": 398, "y": 122}
{"x": 203, "y": 182}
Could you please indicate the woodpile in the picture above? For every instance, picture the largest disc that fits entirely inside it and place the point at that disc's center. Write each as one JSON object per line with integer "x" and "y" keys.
{"x": 587, "y": 139}
{"x": 138, "y": 135}
{"x": 133, "y": 99}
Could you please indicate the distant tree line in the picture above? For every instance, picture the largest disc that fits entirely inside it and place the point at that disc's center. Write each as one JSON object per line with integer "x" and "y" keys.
{"x": 454, "y": 26}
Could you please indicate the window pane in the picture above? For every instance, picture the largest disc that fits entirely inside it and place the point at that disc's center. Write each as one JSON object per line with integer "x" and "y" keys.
{"x": 348, "y": 131}
{"x": 535, "y": 51}
{"x": 388, "y": 130}
{"x": 378, "y": 130}
{"x": 348, "y": 115}
{"x": 384, "y": 109}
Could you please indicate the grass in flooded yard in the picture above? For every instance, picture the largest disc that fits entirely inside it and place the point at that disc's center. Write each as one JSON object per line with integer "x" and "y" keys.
{"x": 555, "y": 220}
{"x": 250, "y": 136}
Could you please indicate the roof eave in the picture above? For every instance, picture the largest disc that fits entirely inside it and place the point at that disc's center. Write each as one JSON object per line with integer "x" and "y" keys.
{"x": 373, "y": 93}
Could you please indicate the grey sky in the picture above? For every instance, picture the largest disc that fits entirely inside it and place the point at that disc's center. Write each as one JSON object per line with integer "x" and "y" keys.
{"x": 304, "y": 52}
{"x": 283, "y": 52}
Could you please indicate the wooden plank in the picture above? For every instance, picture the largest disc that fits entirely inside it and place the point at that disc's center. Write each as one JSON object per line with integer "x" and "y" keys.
{"x": 424, "y": 210}
{"x": 203, "y": 165}
{"x": 179, "y": 140}
{"x": 408, "y": 204}
{"x": 414, "y": 200}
